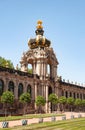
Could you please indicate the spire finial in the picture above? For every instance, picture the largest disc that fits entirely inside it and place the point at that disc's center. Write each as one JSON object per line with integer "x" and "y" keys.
{"x": 39, "y": 24}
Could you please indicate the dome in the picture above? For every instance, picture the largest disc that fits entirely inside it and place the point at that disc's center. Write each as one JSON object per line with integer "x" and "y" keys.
{"x": 39, "y": 40}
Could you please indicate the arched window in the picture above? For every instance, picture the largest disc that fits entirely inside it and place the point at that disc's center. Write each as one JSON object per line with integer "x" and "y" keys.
{"x": 11, "y": 86}
{"x": 77, "y": 95}
{"x": 20, "y": 89}
{"x": 30, "y": 69}
{"x": 80, "y": 96}
{"x": 83, "y": 96}
{"x": 66, "y": 93}
{"x": 74, "y": 95}
{"x": 1, "y": 87}
{"x": 29, "y": 90}
{"x": 48, "y": 69}
{"x": 49, "y": 90}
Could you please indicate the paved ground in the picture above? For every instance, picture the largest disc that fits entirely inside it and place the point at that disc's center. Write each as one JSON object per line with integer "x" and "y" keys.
{"x": 36, "y": 120}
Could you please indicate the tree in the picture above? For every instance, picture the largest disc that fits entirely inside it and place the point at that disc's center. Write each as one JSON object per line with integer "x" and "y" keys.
{"x": 62, "y": 100}
{"x": 78, "y": 103}
{"x": 4, "y": 62}
{"x": 70, "y": 102}
{"x": 7, "y": 98}
{"x": 40, "y": 101}
{"x": 53, "y": 99}
{"x": 25, "y": 98}
{"x": 83, "y": 104}
{"x": 30, "y": 71}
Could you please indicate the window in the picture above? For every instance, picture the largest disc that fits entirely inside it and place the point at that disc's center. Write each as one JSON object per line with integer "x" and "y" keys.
{"x": 49, "y": 90}
{"x": 48, "y": 69}
{"x": 11, "y": 86}
{"x": 1, "y": 87}
{"x": 29, "y": 90}
{"x": 20, "y": 89}
{"x": 30, "y": 68}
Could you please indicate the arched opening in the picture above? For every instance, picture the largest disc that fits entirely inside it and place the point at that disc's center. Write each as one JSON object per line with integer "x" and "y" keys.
{"x": 1, "y": 87}
{"x": 29, "y": 90}
{"x": 66, "y": 94}
{"x": 49, "y": 90}
{"x": 81, "y": 96}
{"x": 77, "y": 95}
{"x": 11, "y": 86}
{"x": 20, "y": 89}
{"x": 30, "y": 69}
{"x": 48, "y": 69}
{"x": 74, "y": 95}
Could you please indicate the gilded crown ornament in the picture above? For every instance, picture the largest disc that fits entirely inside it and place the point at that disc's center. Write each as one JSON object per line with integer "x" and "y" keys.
{"x": 39, "y": 24}
{"x": 40, "y": 40}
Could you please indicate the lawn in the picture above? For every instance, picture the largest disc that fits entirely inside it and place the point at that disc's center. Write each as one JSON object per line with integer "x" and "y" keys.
{"x": 29, "y": 116}
{"x": 74, "y": 124}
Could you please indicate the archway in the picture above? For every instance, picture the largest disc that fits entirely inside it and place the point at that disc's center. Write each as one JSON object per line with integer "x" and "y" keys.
{"x": 29, "y": 90}
{"x": 30, "y": 69}
{"x": 1, "y": 87}
{"x": 49, "y": 90}
{"x": 20, "y": 89}
{"x": 11, "y": 86}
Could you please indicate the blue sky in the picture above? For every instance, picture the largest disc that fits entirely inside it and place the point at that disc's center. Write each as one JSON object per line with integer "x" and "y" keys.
{"x": 64, "y": 25}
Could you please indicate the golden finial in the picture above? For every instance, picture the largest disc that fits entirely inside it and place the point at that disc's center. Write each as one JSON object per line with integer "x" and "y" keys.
{"x": 39, "y": 26}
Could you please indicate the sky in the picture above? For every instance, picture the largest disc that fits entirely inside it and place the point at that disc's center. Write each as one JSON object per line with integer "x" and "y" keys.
{"x": 63, "y": 24}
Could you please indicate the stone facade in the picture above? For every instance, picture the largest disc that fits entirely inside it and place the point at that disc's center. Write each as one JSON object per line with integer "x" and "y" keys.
{"x": 43, "y": 80}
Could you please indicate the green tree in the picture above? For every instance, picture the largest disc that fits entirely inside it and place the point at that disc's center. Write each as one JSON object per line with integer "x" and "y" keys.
{"x": 70, "y": 102}
{"x": 4, "y": 62}
{"x": 78, "y": 103}
{"x": 40, "y": 101}
{"x": 62, "y": 100}
{"x": 83, "y": 104}
{"x": 25, "y": 98}
{"x": 7, "y": 98}
{"x": 53, "y": 99}
{"x": 30, "y": 71}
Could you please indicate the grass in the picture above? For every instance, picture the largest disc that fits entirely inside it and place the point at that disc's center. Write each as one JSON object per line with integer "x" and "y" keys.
{"x": 74, "y": 124}
{"x": 29, "y": 116}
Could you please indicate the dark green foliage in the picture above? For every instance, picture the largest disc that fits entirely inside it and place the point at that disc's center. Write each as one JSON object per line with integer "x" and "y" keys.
{"x": 53, "y": 98}
{"x": 25, "y": 98}
{"x": 70, "y": 100}
{"x": 40, "y": 101}
{"x": 83, "y": 102}
{"x": 7, "y": 97}
{"x": 30, "y": 71}
{"x": 62, "y": 100}
{"x": 78, "y": 102}
{"x": 4, "y": 62}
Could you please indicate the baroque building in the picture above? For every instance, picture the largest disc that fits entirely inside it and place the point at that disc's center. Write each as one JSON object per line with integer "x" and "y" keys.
{"x": 43, "y": 80}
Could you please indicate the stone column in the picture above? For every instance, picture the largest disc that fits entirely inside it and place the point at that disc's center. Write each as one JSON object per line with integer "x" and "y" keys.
{"x": 34, "y": 67}
{"x": 16, "y": 90}
{"x": 35, "y": 94}
{"x": 68, "y": 94}
{"x": 64, "y": 93}
{"x": 6, "y": 84}
{"x": 76, "y": 95}
{"x": 46, "y": 106}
